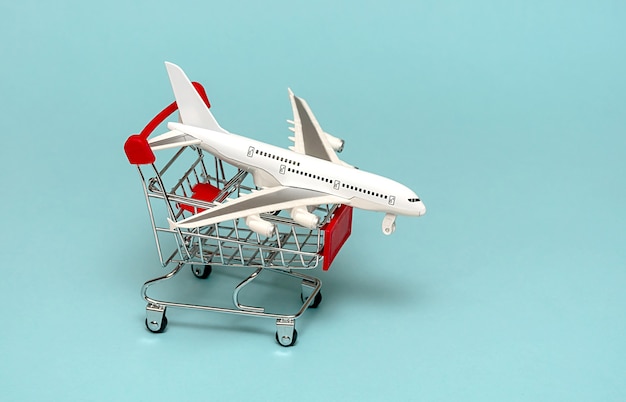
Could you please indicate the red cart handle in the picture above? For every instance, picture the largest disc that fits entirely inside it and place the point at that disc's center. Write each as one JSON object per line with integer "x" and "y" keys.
{"x": 136, "y": 147}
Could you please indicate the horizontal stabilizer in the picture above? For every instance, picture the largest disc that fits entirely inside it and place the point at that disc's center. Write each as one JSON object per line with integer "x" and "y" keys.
{"x": 172, "y": 139}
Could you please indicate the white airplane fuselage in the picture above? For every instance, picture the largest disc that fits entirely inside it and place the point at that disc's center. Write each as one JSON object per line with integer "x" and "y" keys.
{"x": 274, "y": 166}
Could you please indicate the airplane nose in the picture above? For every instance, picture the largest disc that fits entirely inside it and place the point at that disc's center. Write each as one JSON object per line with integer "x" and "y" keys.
{"x": 421, "y": 209}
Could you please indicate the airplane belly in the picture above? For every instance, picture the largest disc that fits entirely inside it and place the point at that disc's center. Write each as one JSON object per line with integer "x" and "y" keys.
{"x": 229, "y": 149}
{"x": 366, "y": 204}
{"x": 264, "y": 179}
{"x": 224, "y": 156}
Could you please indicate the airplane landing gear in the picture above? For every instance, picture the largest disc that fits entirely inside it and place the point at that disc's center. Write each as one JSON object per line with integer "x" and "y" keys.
{"x": 389, "y": 224}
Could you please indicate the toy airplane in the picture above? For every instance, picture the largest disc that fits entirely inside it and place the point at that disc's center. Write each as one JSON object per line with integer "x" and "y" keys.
{"x": 307, "y": 175}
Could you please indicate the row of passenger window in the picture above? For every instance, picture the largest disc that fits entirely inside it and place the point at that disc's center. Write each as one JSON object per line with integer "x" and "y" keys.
{"x": 368, "y": 192}
{"x": 313, "y": 176}
{"x": 278, "y": 158}
{"x": 327, "y": 180}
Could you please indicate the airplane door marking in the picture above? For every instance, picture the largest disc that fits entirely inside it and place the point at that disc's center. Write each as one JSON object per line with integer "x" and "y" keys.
{"x": 250, "y": 152}
{"x": 336, "y": 185}
{"x": 392, "y": 199}
{"x": 282, "y": 169}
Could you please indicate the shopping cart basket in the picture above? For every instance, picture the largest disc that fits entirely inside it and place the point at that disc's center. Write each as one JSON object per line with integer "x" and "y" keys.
{"x": 190, "y": 181}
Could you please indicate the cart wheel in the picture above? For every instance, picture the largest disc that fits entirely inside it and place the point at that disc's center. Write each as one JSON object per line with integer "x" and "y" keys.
{"x": 288, "y": 342}
{"x": 201, "y": 272}
{"x": 161, "y": 328}
{"x": 316, "y": 301}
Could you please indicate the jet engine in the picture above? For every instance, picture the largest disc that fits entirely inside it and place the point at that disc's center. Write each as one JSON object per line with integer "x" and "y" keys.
{"x": 335, "y": 143}
{"x": 260, "y": 226}
{"x": 303, "y": 217}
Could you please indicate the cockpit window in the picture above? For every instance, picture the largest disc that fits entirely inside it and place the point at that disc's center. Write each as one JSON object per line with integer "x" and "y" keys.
{"x": 414, "y": 199}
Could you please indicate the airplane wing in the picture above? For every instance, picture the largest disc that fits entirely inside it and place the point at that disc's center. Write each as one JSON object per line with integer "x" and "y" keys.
{"x": 257, "y": 202}
{"x": 309, "y": 137}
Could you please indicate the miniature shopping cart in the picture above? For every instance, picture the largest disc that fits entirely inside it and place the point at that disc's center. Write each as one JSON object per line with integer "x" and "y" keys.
{"x": 185, "y": 181}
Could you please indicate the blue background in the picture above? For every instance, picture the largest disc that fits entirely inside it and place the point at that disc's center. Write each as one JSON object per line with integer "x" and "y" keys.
{"x": 507, "y": 118}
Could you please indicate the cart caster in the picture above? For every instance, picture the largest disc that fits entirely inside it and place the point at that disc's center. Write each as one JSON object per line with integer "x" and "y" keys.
{"x": 155, "y": 318}
{"x": 286, "y": 333}
{"x": 201, "y": 272}
{"x": 287, "y": 341}
{"x": 307, "y": 289}
{"x": 153, "y": 324}
{"x": 316, "y": 301}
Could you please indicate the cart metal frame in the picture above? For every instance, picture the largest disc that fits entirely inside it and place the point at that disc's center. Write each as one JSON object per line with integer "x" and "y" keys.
{"x": 229, "y": 243}
{"x": 171, "y": 192}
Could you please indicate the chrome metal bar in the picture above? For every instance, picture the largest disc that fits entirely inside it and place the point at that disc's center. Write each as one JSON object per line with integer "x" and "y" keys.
{"x": 179, "y": 240}
{"x": 314, "y": 282}
{"x": 151, "y": 213}
{"x": 239, "y": 245}
{"x": 229, "y": 243}
{"x": 221, "y": 168}
{"x": 171, "y": 161}
{"x": 144, "y": 288}
{"x": 238, "y": 289}
{"x": 185, "y": 176}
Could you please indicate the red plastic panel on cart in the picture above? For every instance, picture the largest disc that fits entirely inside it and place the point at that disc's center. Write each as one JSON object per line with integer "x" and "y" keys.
{"x": 202, "y": 192}
{"x": 336, "y": 232}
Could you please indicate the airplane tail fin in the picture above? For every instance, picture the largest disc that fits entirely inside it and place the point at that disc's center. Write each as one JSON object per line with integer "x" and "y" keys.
{"x": 193, "y": 111}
